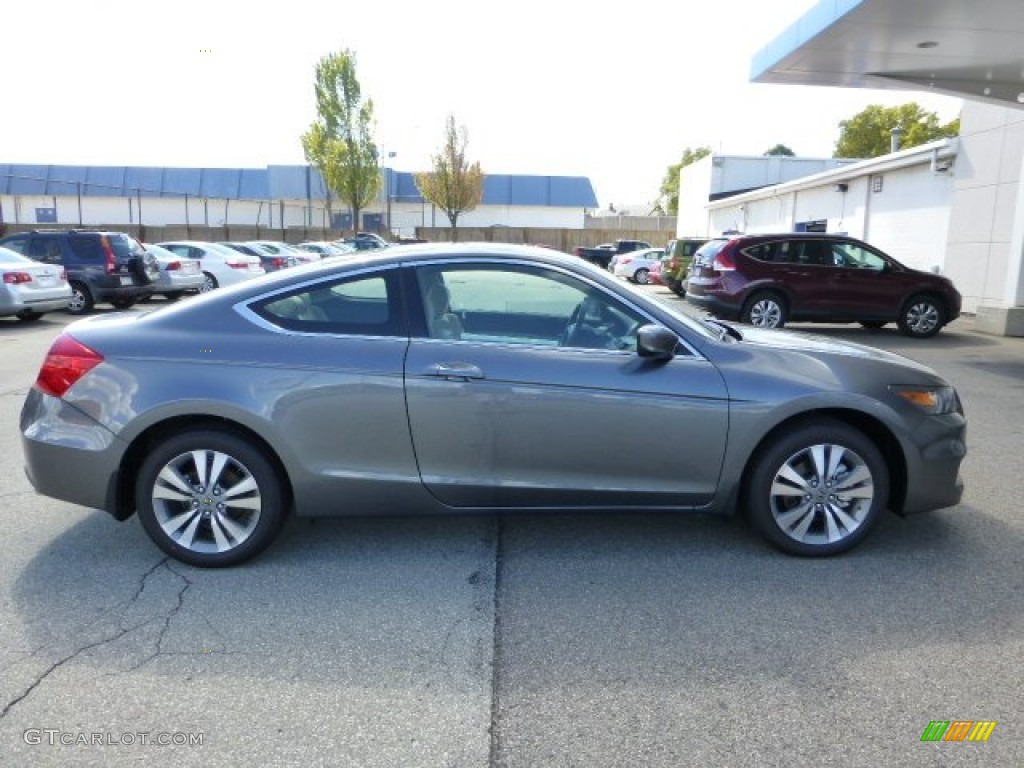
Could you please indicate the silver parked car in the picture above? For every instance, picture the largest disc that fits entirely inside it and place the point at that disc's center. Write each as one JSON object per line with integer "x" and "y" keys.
{"x": 28, "y": 289}
{"x": 476, "y": 377}
{"x": 178, "y": 275}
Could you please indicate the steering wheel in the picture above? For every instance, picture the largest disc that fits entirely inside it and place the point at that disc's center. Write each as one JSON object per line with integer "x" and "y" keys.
{"x": 580, "y": 333}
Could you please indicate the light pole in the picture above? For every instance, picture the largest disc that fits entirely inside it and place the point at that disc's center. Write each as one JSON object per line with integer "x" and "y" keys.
{"x": 387, "y": 186}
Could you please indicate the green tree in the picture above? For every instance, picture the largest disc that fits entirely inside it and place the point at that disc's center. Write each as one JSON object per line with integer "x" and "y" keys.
{"x": 340, "y": 142}
{"x": 780, "y": 149}
{"x": 454, "y": 184}
{"x": 868, "y": 133}
{"x": 668, "y": 198}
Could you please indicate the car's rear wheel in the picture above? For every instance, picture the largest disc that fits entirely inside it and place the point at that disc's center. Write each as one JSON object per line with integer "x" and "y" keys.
{"x": 209, "y": 283}
{"x": 873, "y": 325}
{"x": 81, "y": 299}
{"x": 123, "y": 303}
{"x": 817, "y": 489}
{"x": 28, "y": 316}
{"x": 922, "y": 317}
{"x": 642, "y": 276}
{"x": 209, "y": 498}
{"x": 174, "y": 295}
{"x": 765, "y": 310}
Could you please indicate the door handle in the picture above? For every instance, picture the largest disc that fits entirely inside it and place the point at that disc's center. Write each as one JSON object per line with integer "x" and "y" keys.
{"x": 455, "y": 371}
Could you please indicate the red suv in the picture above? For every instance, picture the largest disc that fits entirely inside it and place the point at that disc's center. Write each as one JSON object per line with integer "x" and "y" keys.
{"x": 768, "y": 280}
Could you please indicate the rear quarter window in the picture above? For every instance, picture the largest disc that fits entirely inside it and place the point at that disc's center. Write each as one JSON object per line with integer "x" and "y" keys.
{"x": 366, "y": 305}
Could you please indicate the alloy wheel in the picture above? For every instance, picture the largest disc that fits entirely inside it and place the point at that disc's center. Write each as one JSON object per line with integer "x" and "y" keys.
{"x": 821, "y": 494}
{"x": 206, "y": 501}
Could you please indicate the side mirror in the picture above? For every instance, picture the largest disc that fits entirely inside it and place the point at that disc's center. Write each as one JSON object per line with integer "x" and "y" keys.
{"x": 656, "y": 342}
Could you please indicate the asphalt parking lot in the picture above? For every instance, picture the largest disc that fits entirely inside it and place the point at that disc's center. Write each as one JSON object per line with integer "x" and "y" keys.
{"x": 599, "y": 640}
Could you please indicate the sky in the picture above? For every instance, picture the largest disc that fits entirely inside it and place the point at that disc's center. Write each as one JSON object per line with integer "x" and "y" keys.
{"x": 613, "y": 92}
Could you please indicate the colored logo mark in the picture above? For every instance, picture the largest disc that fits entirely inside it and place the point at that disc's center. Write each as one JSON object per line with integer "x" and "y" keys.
{"x": 958, "y": 730}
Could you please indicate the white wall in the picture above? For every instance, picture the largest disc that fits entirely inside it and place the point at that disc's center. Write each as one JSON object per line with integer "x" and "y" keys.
{"x": 984, "y": 249}
{"x": 908, "y": 218}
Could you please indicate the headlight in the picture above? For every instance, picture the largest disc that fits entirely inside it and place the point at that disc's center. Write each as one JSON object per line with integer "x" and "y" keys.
{"x": 935, "y": 400}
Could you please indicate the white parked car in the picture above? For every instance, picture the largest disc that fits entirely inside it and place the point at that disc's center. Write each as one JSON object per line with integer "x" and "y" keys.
{"x": 29, "y": 289}
{"x": 220, "y": 265}
{"x": 178, "y": 275}
{"x": 285, "y": 250}
{"x": 636, "y": 266}
{"x": 324, "y": 248}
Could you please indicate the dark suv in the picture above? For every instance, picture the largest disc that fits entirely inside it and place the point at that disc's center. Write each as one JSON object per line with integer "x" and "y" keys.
{"x": 101, "y": 266}
{"x": 767, "y": 280}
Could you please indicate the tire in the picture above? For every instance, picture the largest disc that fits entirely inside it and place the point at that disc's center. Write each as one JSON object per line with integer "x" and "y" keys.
{"x": 190, "y": 520}
{"x": 81, "y": 299}
{"x": 123, "y": 303}
{"x": 922, "y": 317}
{"x": 28, "y": 316}
{"x": 146, "y": 268}
{"x": 209, "y": 284}
{"x": 174, "y": 295}
{"x": 679, "y": 289}
{"x": 642, "y": 276}
{"x": 873, "y": 325}
{"x": 790, "y": 488}
{"x": 764, "y": 310}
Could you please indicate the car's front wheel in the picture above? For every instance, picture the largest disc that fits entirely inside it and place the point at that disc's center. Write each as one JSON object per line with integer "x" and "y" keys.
{"x": 28, "y": 316}
{"x": 765, "y": 310}
{"x": 922, "y": 317}
{"x": 817, "y": 489}
{"x": 210, "y": 498}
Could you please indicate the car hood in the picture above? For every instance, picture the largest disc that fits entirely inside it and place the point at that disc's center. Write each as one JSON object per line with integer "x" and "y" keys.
{"x": 806, "y": 342}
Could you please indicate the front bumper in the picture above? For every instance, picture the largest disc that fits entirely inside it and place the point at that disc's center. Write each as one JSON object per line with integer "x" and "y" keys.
{"x": 933, "y": 464}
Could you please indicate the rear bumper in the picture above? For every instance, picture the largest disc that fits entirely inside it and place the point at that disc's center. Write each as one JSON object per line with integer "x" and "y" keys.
{"x": 712, "y": 304}
{"x": 68, "y": 455}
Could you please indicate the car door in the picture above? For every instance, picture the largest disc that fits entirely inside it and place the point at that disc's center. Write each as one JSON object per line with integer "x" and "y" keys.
{"x": 862, "y": 283}
{"x": 338, "y": 346}
{"x": 524, "y": 389}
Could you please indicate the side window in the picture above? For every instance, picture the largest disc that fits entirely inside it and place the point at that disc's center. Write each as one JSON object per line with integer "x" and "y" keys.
{"x": 365, "y": 305}
{"x": 17, "y": 243}
{"x": 88, "y": 249}
{"x": 46, "y": 249}
{"x": 855, "y": 257}
{"x": 518, "y": 305}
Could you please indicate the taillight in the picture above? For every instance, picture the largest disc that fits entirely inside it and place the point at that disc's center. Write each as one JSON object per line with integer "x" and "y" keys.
{"x": 238, "y": 264}
{"x": 111, "y": 256}
{"x": 63, "y": 275}
{"x": 278, "y": 262}
{"x": 173, "y": 265}
{"x": 723, "y": 262}
{"x": 67, "y": 361}
{"x": 578, "y": 251}
{"x": 626, "y": 260}
{"x": 13, "y": 278}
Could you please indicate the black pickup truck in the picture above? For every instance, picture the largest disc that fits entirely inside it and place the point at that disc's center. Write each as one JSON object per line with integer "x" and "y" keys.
{"x": 602, "y": 254}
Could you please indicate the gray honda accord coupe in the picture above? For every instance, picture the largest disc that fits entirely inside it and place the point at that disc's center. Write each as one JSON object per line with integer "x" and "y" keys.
{"x": 476, "y": 378}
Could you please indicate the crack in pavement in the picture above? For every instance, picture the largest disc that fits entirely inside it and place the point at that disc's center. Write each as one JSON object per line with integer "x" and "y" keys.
{"x": 121, "y": 631}
{"x": 180, "y": 602}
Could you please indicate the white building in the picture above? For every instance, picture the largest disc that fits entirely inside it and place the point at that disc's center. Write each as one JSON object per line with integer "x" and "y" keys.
{"x": 718, "y": 176}
{"x": 899, "y": 202}
{"x": 276, "y": 197}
